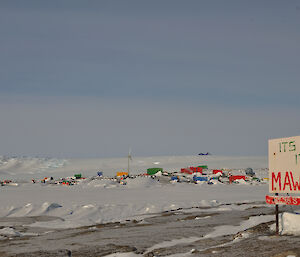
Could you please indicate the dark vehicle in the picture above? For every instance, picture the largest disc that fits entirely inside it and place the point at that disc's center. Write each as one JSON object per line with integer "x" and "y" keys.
{"x": 204, "y": 153}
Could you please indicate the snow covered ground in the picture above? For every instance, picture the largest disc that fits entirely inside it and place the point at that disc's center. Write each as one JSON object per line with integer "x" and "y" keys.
{"x": 91, "y": 203}
{"x": 104, "y": 200}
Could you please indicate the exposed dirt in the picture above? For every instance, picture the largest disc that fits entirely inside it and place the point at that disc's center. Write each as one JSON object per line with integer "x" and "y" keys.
{"x": 136, "y": 236}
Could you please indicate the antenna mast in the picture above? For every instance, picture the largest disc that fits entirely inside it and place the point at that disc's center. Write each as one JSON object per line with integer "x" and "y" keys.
{"x": 129, "y": 159}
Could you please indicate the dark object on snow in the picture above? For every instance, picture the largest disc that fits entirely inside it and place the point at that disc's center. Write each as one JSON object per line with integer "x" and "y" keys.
{"x": 195, "y": 178}
{"x": 204, "y": 153}
{"x": 250, "y": 172}
{"x": 174, "y": 178}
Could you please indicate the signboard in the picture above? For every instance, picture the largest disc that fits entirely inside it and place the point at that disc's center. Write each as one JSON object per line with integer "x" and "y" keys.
{"x": 288, "y": 200}
{"x": 284, "y": 165}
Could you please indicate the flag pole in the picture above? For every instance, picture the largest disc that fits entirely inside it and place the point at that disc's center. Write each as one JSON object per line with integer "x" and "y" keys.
{"x": 128, "y": 166}
{"x": 129, "y": 158}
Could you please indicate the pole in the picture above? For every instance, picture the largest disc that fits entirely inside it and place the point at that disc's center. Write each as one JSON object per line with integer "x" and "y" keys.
{"x": 129, "y": 159}
{"x": 128, "y": 164}
{"x": 277, "y": 218}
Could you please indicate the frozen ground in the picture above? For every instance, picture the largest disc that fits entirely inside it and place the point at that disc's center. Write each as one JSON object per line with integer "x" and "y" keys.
{"x": 224, "y": 230}
{"x": 145, "y": 217}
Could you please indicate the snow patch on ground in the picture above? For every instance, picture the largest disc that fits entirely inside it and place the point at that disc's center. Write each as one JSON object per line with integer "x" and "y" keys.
{"x": 123, "y": 255}
{"x": 9, "y": 232}
{"x": 231, "y": 230}
{"x": 289, "y": 224}
{"x": 219, "y": 231}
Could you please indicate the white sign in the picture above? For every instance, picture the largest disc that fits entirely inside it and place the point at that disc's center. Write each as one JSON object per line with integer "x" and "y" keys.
{"x": 284, "y": 165}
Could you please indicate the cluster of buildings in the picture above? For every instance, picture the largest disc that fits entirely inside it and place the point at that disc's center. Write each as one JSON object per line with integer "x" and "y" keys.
{"x": 193, "y": 174}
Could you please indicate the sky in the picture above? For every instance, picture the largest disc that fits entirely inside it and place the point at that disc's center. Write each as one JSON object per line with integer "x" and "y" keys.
{"x": 95, "y": 78}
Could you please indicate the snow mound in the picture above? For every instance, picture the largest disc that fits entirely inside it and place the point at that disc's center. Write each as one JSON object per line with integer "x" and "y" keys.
{"x": 9, "y": 232}
{"x": 290, "y": 224}
{"x": 30, "y": 209}
{"x": 142, "y": 182}
{"x": 103, "y": 183}
{"x": 47, "y": 207}
{"x": 15, "y": 166}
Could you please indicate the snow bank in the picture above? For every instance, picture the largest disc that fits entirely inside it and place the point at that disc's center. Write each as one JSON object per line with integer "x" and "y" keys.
{"x": 142, "y": 182}
{"x": 230, "y": 230}
{"x": 290, "y": 224}
{"x": 89, "y": 204}
{"x": 9, "y": 232}
{"x": 103, "y": 183}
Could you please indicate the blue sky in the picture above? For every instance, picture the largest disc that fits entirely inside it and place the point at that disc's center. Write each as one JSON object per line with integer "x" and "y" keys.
{"x": 93, "y": 78}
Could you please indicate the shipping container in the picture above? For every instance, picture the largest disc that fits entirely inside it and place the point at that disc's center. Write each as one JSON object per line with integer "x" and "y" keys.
{"x": 196, "y": 169}
{"x": 186, "y": 171}
{"x": 233, "y": 178}
{"x": 121, "y": 174}
{"x": 200, "y": 178}
{"x": 153, "y": 171}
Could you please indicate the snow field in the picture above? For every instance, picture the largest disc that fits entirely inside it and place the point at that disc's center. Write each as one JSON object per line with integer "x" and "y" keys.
{"x": 88, "y": 203}
{"x": 104, "y": 200}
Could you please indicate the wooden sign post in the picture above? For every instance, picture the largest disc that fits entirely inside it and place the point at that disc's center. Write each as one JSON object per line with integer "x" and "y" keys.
{"x": 284, "y": 172}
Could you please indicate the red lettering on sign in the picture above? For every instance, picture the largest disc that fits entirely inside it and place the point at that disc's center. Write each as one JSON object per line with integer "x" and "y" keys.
{"x": 296, "y": 185}
{"x": 287, "y": 181}
{"x": 289, "y": 200}
{"x": 276, "y": 180}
